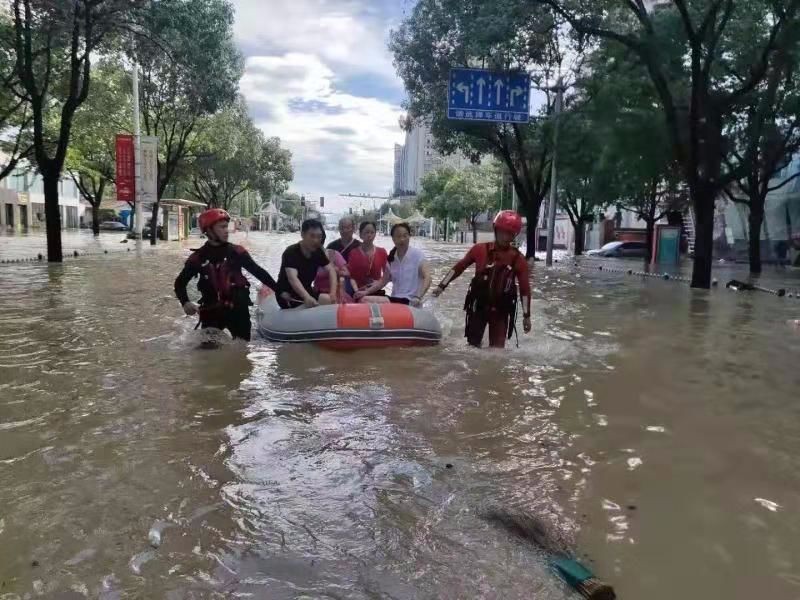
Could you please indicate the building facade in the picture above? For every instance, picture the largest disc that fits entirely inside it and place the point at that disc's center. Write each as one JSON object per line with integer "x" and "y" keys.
{"x": 22, "y": 201}
{"x": 418, "y": 157}
{"x": 780, "y": 232}
{"x": 397, "y": 187}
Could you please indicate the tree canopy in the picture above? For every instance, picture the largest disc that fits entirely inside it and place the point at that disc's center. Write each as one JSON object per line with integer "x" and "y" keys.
{"x": 190, "y": 70}
{"x": 503, "y": 35}
{"x": 91, "y": 154}
{"x": 706, "y": 60}
{"x": 233, "y": 156}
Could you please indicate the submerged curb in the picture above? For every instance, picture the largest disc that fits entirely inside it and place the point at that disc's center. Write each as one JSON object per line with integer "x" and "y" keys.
{"x": 67, "y": 255}
{"x": 780, "y": 292}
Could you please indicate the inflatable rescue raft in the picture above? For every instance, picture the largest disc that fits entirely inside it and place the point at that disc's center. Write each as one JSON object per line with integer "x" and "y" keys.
{"x": 347, "y": 326}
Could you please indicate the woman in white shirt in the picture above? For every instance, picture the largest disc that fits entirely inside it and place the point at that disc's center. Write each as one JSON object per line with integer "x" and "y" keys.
{"x": 407, "y": 270}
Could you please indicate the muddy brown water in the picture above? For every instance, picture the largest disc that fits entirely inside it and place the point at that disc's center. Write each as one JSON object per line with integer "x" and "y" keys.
{"x": 658, "y": 427}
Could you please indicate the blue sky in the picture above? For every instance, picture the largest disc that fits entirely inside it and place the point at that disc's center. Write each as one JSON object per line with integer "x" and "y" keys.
{"x": 319, "y": 76}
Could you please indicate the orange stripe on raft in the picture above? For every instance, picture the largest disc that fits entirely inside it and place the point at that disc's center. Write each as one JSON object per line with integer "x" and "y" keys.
{"x": 397, "y": 316}
{"x": 353, "y": 316}
{"x": 358, "y": 316}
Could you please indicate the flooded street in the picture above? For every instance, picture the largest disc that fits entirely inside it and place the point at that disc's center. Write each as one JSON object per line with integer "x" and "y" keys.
{"x": 658, "y": 426}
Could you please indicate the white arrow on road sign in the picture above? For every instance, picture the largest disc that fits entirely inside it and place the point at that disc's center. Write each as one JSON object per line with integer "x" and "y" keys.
{"x": 462, "y": 87}
{"x": 499, "y": 85}
{"x": 481, "y": 83}
{"x": 517, "y": 91}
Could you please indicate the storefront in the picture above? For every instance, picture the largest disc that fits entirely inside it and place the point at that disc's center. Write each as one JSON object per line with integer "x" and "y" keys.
{"x": 176, "y": 217}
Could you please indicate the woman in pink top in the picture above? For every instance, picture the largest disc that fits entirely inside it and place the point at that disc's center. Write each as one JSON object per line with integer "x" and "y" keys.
{"x": 367, "y": 262}
{"x": 322, "y": 282}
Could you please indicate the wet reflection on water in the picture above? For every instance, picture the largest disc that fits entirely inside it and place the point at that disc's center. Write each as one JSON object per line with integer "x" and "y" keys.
{"x": 657, "y": 426}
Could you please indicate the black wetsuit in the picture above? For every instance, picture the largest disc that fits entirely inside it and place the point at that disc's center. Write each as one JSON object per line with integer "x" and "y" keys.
{"x": 225, "y": 292}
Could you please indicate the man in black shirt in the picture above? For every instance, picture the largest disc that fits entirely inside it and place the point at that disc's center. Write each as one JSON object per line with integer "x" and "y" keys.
{"x": 299, "y": 265}
{"x": 224, "y": 290}
{"x": 346, "y": 243}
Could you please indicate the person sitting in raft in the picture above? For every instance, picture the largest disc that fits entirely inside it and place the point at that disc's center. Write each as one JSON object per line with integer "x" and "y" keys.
{"x": 299, "y": 265}
{"x": 322, "y": 282}
{"x": 406, "y": 269}
{"x": 492, "y": 295}
{"x": 225, "y": 292}
{"x": 346, "y": 243}
{"x": 367, "y": 263}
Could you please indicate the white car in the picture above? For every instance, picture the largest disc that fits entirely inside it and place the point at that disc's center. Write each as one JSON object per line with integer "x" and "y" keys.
{"x": 621, "y": 250}
{"x": 113, "y": 226}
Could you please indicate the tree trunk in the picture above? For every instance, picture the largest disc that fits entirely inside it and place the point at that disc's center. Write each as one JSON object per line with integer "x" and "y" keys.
{"x": 52, "y": 213}
{"x": 154, "y": 224}
{"x": 755, "y": 222}
{"x": 96, "y": 218}
{"x": 703, "y": 202}
{"x": 580, "y": 237}
{"x": 650, "y": 228}
{"x": 531, "y": 209}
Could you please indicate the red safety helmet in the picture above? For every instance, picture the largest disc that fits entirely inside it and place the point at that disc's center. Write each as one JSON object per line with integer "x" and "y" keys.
{"x": 211, "y": 217}
{"x": 508, "y": 220}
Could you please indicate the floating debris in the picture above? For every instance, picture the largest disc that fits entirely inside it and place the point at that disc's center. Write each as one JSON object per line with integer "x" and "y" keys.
{"x": 634, "y": 463}
{"x": 139, "y": 560}
{"x": 768, "y": 504}
{"x": 656, "y": 429}
{"x": 155, "y": 535}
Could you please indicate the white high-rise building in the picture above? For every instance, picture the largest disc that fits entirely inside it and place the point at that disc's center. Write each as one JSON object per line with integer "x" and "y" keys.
{"x": 418, "y": 157}
{"x": 397, "y": 188}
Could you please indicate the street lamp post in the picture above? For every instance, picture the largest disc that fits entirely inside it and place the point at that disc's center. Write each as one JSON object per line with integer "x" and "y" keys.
{"x": 551, "y": 214}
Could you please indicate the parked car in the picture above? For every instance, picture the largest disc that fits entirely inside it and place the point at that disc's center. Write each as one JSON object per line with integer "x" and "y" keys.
{"x": 113, "y": 226}
{"x": 621, "y": 250}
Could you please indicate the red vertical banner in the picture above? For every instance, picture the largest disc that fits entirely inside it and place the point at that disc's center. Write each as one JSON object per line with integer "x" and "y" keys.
{"x": 126, "y": 169}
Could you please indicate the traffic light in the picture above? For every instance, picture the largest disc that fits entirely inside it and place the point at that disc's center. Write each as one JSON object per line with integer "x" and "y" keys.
{"x": 302, "y": 200}
{"x": 322, "y": 201}
{"x": 351, "y": 210}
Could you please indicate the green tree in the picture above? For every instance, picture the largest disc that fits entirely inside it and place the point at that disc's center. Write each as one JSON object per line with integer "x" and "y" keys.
{"x": 234, "y": 157}
{"x": 54, "y": 44}
{"x": 15, "y": 112}
{"x": 190, "y": 70}
{"x": 289, "y": 204}
{"x": 275, "y": 171}
{"x": 707, "y": 59}
{"x": 91, "y": 155}
{"x": 506, "y": 35}
{"x": 623, "y": 142}
{"x": 432, "y": 200}
{"x": 470, "y": 193}
{"x": 580, "y": 180}
{"x": 765, "y": 136}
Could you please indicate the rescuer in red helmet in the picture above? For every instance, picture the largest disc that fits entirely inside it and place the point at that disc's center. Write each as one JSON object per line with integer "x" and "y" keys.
{"x": 492, "y": 296}
{"x": 224, "y": 290}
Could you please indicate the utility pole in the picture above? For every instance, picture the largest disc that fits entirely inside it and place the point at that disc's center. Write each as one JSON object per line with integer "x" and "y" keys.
{"x": 551, "y": 214}
{"x": 137, "y": 162}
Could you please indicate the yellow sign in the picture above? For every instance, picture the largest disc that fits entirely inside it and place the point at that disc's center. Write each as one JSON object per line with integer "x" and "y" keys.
{"x": 22, "y": 197}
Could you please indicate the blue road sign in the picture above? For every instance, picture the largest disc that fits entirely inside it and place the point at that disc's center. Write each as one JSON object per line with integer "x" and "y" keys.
{"x": 480, "y": 95}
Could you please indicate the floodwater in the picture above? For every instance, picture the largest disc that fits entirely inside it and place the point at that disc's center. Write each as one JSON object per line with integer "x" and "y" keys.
{"x": 658, "y": 427}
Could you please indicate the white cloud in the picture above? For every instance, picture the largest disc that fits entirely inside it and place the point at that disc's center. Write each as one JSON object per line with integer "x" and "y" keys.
{"x": 343, "y": 33}
{"x": 298, "y": 51}
{"x": 341, "y": 142}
